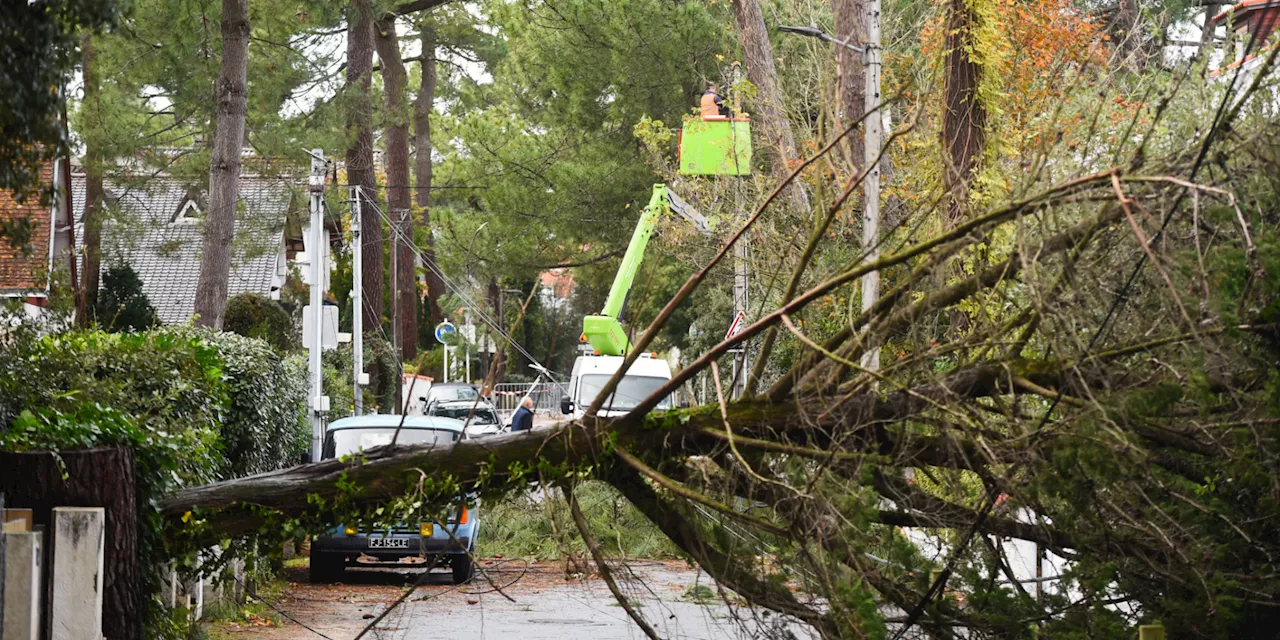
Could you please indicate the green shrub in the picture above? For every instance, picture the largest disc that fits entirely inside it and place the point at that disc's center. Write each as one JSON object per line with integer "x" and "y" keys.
{"x": 257, "y": 316}
{"x": 265, "y": 426}
{"x": 122, "y": 306}
{"x": 233, "y": 403}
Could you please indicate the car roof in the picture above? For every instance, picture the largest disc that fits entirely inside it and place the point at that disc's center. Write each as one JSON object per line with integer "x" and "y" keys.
{"x": 386, "y": 420}
{"x": 452, "y": 384}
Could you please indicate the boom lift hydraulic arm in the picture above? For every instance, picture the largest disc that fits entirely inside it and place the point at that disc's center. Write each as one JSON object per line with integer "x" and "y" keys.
{"x": 604, "y": 331}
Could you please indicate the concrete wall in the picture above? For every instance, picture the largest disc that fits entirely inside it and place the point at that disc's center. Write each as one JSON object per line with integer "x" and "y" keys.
{"x": 75, "y": 580}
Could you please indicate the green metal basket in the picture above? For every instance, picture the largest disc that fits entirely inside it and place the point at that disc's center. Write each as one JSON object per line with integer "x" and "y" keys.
{"x": 715, "y": 147}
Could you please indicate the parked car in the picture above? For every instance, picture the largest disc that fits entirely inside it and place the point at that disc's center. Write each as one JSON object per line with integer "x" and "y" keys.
{"x": 484, "y": 421}
{"x": 331, "y": 552}
{"x": 449, "y": 392}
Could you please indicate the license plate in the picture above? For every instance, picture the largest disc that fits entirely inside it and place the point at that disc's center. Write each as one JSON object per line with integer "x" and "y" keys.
{"x": 388, "y": 543}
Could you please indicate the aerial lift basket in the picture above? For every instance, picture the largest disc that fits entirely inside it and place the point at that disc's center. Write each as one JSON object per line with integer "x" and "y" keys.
{"x": 715, "y": 146}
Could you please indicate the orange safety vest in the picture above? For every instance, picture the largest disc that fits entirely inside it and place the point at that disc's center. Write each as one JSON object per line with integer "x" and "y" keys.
{"x": 709, "y": 106}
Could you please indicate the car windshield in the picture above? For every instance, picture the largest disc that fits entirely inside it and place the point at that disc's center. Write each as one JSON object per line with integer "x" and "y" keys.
{"x": 483, "y": 415}
{"x": 631, "y": 390}
{"x": 341, "y": 442}
{"x": 454, "y": 394}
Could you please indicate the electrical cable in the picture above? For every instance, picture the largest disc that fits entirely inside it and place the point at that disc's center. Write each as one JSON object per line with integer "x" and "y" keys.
{"x": 475, "y": 308}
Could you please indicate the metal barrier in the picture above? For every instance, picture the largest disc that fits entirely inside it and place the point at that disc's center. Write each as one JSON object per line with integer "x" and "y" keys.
{"x": 546, "y": 397}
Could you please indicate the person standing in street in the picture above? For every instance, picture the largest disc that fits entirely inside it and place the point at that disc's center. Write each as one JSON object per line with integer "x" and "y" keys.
{"x": 523, "y": 418}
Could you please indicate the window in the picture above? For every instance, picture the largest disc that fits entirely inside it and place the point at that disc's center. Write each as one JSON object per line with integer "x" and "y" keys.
{"x": 188, "y": 213}
{"x": 631, "y": 390}
{"x": 341, "y": 442}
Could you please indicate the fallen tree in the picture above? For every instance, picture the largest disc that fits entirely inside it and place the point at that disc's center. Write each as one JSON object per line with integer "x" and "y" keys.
{"x": 1076, "y": 365}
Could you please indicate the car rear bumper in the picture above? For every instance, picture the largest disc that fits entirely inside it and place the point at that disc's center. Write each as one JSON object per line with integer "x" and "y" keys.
{"x": 414, "y": 546}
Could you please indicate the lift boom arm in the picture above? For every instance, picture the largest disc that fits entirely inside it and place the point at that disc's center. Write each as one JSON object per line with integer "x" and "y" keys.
{"x": 604, "y": 331}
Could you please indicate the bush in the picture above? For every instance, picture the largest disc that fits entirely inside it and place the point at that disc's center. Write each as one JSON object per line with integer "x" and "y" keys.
{"x": 121, "y": 304}
{"x": 256, "y": 316}
{"x": 265, "y": 426}
{"x": 232, "y": 403}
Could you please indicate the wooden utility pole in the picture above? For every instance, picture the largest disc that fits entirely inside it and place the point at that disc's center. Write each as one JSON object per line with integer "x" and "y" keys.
{"x": 873, "y": 139}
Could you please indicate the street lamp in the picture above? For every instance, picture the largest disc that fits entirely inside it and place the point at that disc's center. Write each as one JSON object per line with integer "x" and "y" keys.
{"x": 814, "y": 32}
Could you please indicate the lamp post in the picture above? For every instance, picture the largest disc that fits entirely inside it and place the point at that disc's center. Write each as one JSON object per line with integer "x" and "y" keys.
{"x": 874, "y": 137}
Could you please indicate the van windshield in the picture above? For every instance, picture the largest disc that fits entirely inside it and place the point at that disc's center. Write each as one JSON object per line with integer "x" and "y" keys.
{"x": 453, "y": 394}
{"x": 341, "y": 442}
{"x": 631, "y": 390}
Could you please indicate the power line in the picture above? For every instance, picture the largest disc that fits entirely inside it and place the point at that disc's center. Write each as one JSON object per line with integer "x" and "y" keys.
{"x": 476, "y": 308}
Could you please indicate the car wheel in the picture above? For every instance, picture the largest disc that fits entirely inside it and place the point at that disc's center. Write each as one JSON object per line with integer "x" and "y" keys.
{"x": 326, "y": 567}
{"x": 463, "y": 568}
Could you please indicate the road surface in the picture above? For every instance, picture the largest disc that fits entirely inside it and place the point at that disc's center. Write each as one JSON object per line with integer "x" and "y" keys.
{"x": 678, "y": 601}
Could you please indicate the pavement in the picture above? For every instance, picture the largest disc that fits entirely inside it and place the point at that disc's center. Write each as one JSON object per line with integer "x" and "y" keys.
{"x": 541, "y": 603}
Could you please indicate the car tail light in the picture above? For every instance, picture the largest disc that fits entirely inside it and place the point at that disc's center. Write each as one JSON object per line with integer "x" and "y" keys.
{"x": 466, "y": 515}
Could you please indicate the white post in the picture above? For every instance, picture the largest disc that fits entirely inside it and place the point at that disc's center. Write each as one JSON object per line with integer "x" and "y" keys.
{"x": 357, "y": 300}
{"x": 871, "y": 185}
{"x": 445, "y": 368}
{"x": 76, "y": 576}
{"x": 316, "y": 187}
{"x": 21, "y": 585}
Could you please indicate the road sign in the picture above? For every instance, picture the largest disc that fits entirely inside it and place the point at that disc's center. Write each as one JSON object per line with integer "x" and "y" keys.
{"x": 444, "y": 330}
{"x": 736, "y": 326}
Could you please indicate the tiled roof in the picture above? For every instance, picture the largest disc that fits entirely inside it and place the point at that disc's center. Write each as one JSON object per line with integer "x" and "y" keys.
{"x": 22, "y": 272}
{"x": 140, "y": 229}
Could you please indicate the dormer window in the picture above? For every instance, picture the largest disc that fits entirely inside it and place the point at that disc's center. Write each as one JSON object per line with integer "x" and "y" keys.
{"x": 188, "y": 213}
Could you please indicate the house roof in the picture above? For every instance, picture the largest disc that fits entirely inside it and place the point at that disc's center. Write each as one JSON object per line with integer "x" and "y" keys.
{"x": 157, "y": 228}
{"x": 1245, "y": 9}
{"x": 22, "y": 272}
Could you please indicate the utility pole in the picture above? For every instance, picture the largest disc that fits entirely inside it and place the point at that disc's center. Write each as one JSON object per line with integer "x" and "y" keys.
{"x": 741, "y": 299}
{"x": 357, "y": 301}
{"x": 396, "y": 217}
{"x": 874, "y": 137}
{"x": 319, "y": 403}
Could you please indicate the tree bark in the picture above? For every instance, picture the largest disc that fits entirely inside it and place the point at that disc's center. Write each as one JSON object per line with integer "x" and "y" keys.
{"x": 359, "y": 156}
{"x": 102, "y": 477}
{"x": 500, "y": 353}
{"x": 93, "y": 193}
{"x": 396, "y": 132}
{"x": 224, "y": 166}
{"x": 850, "y": 23}
{"x": 964, "y": 119}
{"x": 757, "y": 55}
{"x": 1207, "y": 28}
{"x": 1128, "y": 34}
{"x": 422, "y": 108}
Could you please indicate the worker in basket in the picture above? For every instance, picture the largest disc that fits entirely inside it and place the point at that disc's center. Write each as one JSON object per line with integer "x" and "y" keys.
{"x": 712, "y": 104}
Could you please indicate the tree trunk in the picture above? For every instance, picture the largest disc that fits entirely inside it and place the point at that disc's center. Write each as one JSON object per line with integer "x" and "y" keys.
{"x": 500, "y": 351}
{"x": 1207, "y": 29}
{"x": 102, "y": 477}
{"x": 964, "y": 119}
{"x": 1128, "y": 34}
{"x": 93, "y": 194}
{"x": 394, "y": 81}
{"x": 422, "y": 108}
{"x": 359, "y": 161}
{"x": 757, "y": 55}
{"x": 850, "y": 27}
{"x": 224, "y": 166}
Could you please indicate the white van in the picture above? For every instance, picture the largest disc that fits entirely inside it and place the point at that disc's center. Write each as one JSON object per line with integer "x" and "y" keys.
{"x": 591, "y": 372}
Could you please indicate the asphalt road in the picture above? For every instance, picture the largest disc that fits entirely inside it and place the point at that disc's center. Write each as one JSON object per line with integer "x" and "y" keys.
{"x": 544, "y": 605}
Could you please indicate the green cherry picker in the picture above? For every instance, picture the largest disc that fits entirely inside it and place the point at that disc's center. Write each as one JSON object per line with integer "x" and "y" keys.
{"x": 604, "y": 331}
{"x": 709, "y": 145}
